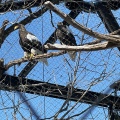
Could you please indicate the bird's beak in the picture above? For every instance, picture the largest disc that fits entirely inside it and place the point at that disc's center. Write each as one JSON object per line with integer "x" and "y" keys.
{"x": 16, "y": 27}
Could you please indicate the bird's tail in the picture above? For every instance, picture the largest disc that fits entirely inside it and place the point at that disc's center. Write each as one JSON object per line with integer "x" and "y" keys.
{"x": 44, "y": 60}
{"x": 72, "y": 55}
{"x": 38, "y": 52}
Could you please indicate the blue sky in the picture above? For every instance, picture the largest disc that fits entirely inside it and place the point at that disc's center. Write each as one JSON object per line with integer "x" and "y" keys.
{"x": 91, "y": 65}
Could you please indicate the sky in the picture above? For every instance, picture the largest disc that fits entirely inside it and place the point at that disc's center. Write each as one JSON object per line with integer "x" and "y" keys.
{"x": 91, "y": 66}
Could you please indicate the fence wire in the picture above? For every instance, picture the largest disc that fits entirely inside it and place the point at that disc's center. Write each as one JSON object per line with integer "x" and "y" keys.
{"x": 91, "y": 70}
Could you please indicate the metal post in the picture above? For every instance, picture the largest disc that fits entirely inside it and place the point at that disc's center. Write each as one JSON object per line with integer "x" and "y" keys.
{"x": 110, "y": 112}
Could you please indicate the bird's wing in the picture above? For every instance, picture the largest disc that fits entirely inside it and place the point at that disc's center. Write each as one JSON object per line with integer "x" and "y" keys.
{"x": 35, "y": 42}
{"x": 32, "y": 37}
{"x": 69, "y": 30}
{"x": 25, "y": 44}
{"x": 72, "y": 39}
{"x": 66, "y": 36}
{"x": 65, "y": 30}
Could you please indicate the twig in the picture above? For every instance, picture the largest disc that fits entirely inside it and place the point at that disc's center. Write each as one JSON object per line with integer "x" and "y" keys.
{"x": 94, "y": 47}
{"x": 66, "y": 102}
{"x": 52, "y": 19}
{"x": 28, "y": 104}
{"x": 75, "y": 104}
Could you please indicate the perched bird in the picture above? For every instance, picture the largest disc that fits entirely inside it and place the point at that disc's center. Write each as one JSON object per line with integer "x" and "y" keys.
{"x": 80, "y": 5}
{"x": 30, "y": 43}
{"x": 65, "y": 36}
{"x": 2, "y": 29}
{"x": 74, "y": 5}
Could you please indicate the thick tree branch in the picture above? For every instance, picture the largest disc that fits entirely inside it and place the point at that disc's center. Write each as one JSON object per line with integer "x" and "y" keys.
{"x": 80, "y": 27}
{"x": 93, "y": 47}
{"x": 98, "y": 40}
{"x": 53, "y": 54}
{"x": 2, "y": 30}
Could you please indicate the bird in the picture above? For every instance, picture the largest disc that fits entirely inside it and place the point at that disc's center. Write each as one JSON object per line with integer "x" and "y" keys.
{"x": 80, "y": 5}
{"x": 74, "y": 5}
{"x": 30, "y": 44}
{"x": 2, "y": 29}
{"x": 65, "y": 36}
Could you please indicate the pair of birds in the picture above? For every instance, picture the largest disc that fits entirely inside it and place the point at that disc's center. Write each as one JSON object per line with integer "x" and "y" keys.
{"x": 32, "y": 46}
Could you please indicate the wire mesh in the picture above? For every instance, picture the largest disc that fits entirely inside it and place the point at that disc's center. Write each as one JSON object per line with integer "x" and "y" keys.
{"x": 91, "y": 70}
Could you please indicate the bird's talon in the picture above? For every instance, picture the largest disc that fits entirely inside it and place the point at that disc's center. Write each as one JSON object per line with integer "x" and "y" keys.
{"x": 26, "y": 57}
{"x": 29, "y": 43}
{"x": 31, "y": 55}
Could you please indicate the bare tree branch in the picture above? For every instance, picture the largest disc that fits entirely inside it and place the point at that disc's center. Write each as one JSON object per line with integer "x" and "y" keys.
{"x": 98, "y": 40}
{"x": 66, "y": 102}
{"x": 2, "y": 30}
{"x": 75, "y": 103}
{"x": 94, "y": 47}
{"x": 53, "y": 54}
{"x": 80, "y": 27}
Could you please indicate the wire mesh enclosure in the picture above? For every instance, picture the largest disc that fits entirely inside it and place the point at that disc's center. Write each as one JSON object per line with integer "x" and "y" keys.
{"x": 79, "y": 40}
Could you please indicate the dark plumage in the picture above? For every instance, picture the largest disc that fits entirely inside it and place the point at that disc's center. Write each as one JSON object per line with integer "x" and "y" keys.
{"x": 2, "y": 29}
{"x": 66, "y": 37}
{"x": 30, "y": 43}
{"x": 74, "y": 5}
{"x": 80, "y": 5}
